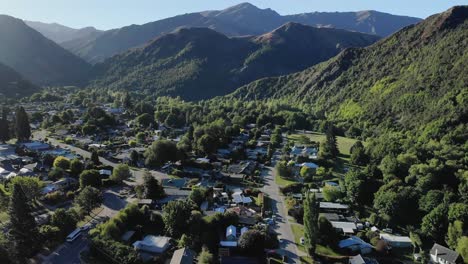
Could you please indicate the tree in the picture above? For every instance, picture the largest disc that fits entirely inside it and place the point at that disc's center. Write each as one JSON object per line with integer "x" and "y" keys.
{"x": 160, "y": 152}
{"x": 327, "y": 233}
{"x": 134, "y": 157}
{"x": 207, "y": 144}
{"x": 306, "y": 172}
{"x": 435, "y": 223}
{"x": 358, "y": 154}
{"x": 311, "y": 231}
{"x": 90, "y": 178}
{"x": 4, "y": 126}
{"x": 252, "y": 242}
{"x": 62, "y": 162}
{"x": 462, "y": 248}
{"x": 121, "y": 172}
{"x": 354, "y": 183}
{"x": 145, "y": 120}
{"x": 329, "y": 148}
{"x": 65, "y": 220}
{"x": 23, "y": 229}
{"x": 22, "y": 127}
{"x": 152, "y": 189}
{"x": 205, "y": 257}
{"x": 458, "y": 211}
{"x": 88, "y": 199}
{"x": 455, "y": 232}
{"x": 331, "y": 193}
{"x": 31, "y": 186}
{"x": 176, "y": 215}
{"x": 56, "y": 174}
{"x": 197, "y": 195}
{"x": 95, "y": 157}
{"x": 76, "y": 167}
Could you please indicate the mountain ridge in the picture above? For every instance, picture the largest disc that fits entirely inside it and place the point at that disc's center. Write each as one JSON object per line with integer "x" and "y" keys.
{"x": 37, "y": 58}
{"x": 240, "y": 20}
{"x": 409, "y": 79}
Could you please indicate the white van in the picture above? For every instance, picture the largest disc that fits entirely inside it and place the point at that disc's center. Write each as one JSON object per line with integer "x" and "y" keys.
{"x": 74, "y": 235}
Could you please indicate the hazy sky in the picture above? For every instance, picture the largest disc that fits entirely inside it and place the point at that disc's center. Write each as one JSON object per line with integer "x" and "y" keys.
{"x": 106, "y": 14}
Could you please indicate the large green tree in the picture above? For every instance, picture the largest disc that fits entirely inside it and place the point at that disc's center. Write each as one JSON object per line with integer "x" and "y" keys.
{"x": 311, "y": 230}
{"x": 88, "y": 199}
{"x": 23, "y": 231}
{"x": 121, "y": 172}
{"x": 176, "y": 216}
{"x": 152, "y": 189}
{"x": 4, "y": 126}
{"x": 329, "y": 147}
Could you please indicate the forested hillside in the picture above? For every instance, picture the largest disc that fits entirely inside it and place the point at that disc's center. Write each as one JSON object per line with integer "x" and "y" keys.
{"x": 417, "y": 77}
{"x": 12, "y": 84}
{"x": 200, "y": 63}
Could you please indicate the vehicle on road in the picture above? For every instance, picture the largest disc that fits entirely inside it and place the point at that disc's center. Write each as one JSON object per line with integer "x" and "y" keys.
{"x": 74, "y": 235}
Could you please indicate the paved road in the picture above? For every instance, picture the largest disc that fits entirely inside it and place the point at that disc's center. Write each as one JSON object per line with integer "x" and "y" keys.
{"x": 283, "y": 228}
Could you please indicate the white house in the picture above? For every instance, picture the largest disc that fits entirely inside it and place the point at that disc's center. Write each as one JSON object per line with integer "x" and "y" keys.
{"x": 443, "y": 255}
{"x": 153, "y": 244}
{"x": 396, "y": 241}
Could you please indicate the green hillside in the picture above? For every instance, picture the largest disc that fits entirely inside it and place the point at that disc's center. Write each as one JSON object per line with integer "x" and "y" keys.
{"x": 200, "y": 63}
{"x": 416, "y": 77}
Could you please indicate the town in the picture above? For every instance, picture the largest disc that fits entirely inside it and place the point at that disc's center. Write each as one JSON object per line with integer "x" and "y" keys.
{"x": 111, "y": 183}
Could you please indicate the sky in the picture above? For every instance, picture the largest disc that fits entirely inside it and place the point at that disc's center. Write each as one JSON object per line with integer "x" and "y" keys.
{"x": 107, "y": 14}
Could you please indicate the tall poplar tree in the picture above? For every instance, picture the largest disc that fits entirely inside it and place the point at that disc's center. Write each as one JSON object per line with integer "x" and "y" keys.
{"x": 22, "y": 128}
{"x": 4, "y": 126}
{"x": 311, "y": 214}
{"x": 23, "y": 232}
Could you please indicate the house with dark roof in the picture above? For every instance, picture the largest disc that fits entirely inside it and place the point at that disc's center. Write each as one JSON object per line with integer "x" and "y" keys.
{"x": 443, "y": 255}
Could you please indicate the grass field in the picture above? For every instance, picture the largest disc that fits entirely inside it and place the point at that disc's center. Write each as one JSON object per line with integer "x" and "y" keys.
{"x": 298, "y": 231}
{"x": 344, "y": 144}
{"x": 4, "y": 217}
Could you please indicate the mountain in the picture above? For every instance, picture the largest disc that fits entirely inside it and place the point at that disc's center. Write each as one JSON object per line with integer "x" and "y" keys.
{"x": 415, "y": 78}
{"x": 200, "y": 63}
{"x": 37, "y": 58}
{"x": 12, "y": 84}
{"x": 59, "y": 33}
{"x": 240, "y": 20}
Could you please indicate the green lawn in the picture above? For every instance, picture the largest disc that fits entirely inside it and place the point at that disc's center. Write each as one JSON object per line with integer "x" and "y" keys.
{"x": 283, "y": 181}
{"x": 298, "y": 231}
{"x": 4, "y": 217}
{"x": 344, "y": 144}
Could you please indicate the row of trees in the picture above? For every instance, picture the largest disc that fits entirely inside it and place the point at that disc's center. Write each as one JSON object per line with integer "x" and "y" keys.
{"x": 21, "y": 127}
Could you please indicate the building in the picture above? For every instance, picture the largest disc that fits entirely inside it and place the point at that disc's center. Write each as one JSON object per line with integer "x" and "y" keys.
{"x": 443, "y": 255}
{"x": 152, "y": 244}
{"x": 396, "y": 241}
{"x": 347, "y": 228}
{"x": 231, "y": 233}
{"x": 183, "y": 256}
{"x": 355, "y": 244}
{"x": 333, "y": 207}
{"x": 356, "y": 260}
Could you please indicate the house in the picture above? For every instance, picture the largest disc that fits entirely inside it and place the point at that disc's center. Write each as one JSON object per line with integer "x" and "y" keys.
{"x": 239, "y": 198}
{"x": 312, "y": 166}
{"x": 36, "y": 146}
{"x": 396, "y": 241}
{"x": 231, "y": 233}
{"x": 153, "y": 244}
{"x": 183, "y": 256}
{"x": 306, "y": 152}
{"x": 105, "y": 173}
{"x": 128, "y": 237}
{"x": 356, "y": 260}
{"x": 244, "y": 229}
{"x": 347, "y": 228}
{"x": 333, "y": 207}
{"x": 355, "y": 244}
{"x": 443, "y": 255}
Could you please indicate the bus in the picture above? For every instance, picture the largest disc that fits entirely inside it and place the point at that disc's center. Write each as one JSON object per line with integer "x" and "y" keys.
{"x": 74, "y": 235}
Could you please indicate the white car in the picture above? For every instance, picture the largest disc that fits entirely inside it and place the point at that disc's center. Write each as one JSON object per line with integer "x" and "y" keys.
{"x": 302, "y": 240}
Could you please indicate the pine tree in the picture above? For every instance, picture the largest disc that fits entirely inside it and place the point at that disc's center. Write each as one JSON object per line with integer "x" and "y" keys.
{"x": 95, "y": 157}
{"x": 23, "y": 232}
{"x": 23, "y": 130}
{"x": 329, "y": 148}
{"x": 4, "y": 126}
{"x": 311, "y": 231}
